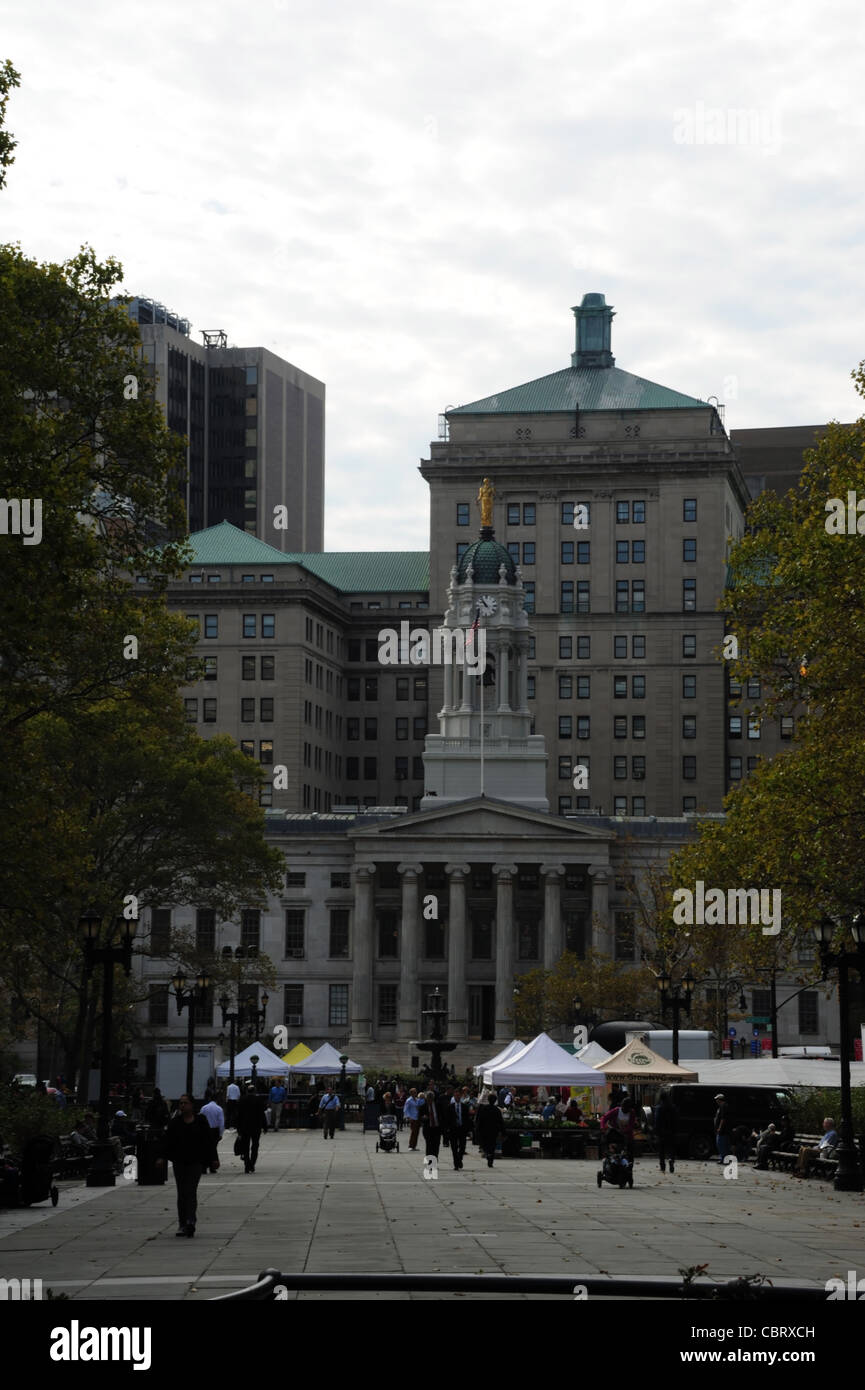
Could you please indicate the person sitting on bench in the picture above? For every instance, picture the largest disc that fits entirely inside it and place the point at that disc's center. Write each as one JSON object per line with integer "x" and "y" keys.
{"x": 809, "y": 1152}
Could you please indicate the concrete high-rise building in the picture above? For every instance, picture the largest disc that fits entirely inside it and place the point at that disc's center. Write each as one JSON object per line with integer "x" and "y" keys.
{"x": 255, "y": 430}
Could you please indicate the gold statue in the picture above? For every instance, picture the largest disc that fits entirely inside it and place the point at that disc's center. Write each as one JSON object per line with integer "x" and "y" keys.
{"x": 486, "y": 494}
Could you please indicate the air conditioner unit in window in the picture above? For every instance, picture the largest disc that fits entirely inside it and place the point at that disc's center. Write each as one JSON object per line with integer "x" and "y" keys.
{"x": 639, "y": 776}
{"x": 294, "y": 1020}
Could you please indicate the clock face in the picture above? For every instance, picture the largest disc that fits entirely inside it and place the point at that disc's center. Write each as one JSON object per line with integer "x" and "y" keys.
{"x": 488, "y": 605}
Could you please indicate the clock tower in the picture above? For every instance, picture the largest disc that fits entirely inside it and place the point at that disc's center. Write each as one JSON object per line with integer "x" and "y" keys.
{"x": 485, "y": 745}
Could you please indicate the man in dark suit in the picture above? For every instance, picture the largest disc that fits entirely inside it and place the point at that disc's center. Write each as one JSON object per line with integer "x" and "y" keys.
{"x": 431, "y": 1122}
{"x": 490, "y": 1125}
{"x": 458, "y": 1130}
{"x": 250, "y": 1123}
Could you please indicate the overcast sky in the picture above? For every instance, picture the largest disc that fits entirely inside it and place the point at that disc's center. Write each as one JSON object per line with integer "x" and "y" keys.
{"x": 406, "y": 200}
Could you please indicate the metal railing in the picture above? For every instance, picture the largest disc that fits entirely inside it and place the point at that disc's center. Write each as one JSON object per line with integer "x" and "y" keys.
{"x": 272, "y": 1285}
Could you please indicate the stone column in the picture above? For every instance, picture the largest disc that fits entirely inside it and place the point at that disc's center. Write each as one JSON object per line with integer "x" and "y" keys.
{"x": 602, "y": 934}
{"x": 361, "y": 988}
{"x": 502, "y": 678}
{"x": 553, "y": 943}
{"x": 408, "y": 953}
{"x": 457, "y": 989}
{"x": 523, "y": 673}
{"x": 504, "y": 950}
{"x": 448, "y": 687}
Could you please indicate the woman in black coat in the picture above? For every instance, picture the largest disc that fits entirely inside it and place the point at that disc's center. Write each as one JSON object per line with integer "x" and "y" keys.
{"x": 489, "y": 1124}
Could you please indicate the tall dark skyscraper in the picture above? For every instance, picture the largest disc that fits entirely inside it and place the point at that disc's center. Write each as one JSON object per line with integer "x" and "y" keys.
{"x": 254, "y": 425}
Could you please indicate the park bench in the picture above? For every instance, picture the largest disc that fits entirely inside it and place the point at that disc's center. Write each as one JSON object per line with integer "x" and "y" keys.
{"x": 786, "y": 1159}
{"x": 70, "y": 1160}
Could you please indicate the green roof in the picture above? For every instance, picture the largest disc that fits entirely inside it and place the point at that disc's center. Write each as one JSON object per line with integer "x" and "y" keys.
{"x": 486, "y": 557}
{"x": 349, "y": 571}
{"x": 586, "y": 388}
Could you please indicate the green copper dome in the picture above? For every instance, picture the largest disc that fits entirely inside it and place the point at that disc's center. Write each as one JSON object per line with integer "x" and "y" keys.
{"x": 486, "y": 556}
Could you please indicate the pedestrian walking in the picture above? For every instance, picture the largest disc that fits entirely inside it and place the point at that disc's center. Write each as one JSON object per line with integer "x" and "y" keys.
{"x": 191, "y": 1147}
{"x": 156, "y": 1113}
{"x": 666, "y": 1122}
{"x": 250, "y": 1123}
{"x": 277, "y": 1101}
{"x": 431, "y": 1123}
{"x": 215, "y": 1117}
{"x": 489, "y": 1124}
{"x": 329, "y": 1110}
{"x": 458, "y": 1131}
{"x": 411, "y": 1112}
{"x": 232, "y": 1096}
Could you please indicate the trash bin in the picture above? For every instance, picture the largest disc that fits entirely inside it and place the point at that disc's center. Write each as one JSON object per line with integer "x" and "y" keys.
{"x": 148, "y": 1148}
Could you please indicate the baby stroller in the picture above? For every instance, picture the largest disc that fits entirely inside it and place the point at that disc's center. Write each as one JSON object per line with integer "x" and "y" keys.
{"x": 387, "y": 1139}
{"x": 616, "y": 1169}
{"x": 31, "y": 1180}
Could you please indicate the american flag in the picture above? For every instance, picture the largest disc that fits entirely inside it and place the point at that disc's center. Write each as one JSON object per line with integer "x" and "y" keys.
{"x": 474, "y": 627}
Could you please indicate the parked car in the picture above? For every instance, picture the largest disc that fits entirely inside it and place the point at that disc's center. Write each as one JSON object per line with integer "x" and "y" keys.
{"x": 752, "y": 1106}
{"x": 24, "y": 1078}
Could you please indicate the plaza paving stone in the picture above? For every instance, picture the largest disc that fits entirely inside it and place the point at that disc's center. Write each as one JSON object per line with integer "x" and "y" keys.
{"x": 339, "y": 1206}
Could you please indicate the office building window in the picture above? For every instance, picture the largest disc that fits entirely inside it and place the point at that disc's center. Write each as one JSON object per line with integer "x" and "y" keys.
{"x": 734, "y": 687}
{"x": 689, "y": 768}
{"x": 565, "y": 688}
{"x": 292, "y": 1005}
{"x": 584, "y": 648}
{"x": 352, "y": 730}
{"x": 528, "y": 553}
{"x": 531, "y": 650}
{"x": 583, "y": 726}
{"x": 583, "y": 596}
{"x": 295, "y": 880}
{"x": 565, "y": 768}
{"x": 753, "y": 726}
{"x": 250, "y": 928}
{"x": 266, "y": 710}
{"x": 247, "y": 711}
{"x": 211, "y": 624}
{"x": 689, "y": 509}
{"x": 249, "y": 626}
{"x": 787, "y": 726}
{"x": 514, "y": 551}
{"x": 370, "y": 769}
{"x": 420, "y": 687}
{"x": 638, "y": 596}
{"x": 620, "y": 646}
{"x": 752, "y": 763}
{"x": 418, "y": 728}
{"x": 734, "y": 726}
{"x": 528, "y": 513}
{"x": 529, "y": 595}
{"x": 205, "y": 929}
{"x": 620, "y": 805}
{"x": 623, "y": 510}
{"x": 338, "y": 946}
{"x": 265, "y": 752}
{"x": 352, "y": 769}
{"x": 268, "y": 625}
{"x": 402, "y": 687}
{"x": 689, "y": 803}
{"x": 622, "y": 592}
{"x": 620, "y": 687}
{"x": 689, "y": 726}
{"x": 638, "y": 726}
{"x": 191, "y": 708}
{"x": 564, "y": 805}
{"x": 620, "y": 726}
{"x": 565, "y": 648}
{"x": 565, "y": 726}
{"x": 638, "y": 768}
{"x": 157, "y": 1005}
{"x": 583, "y": 552}
{"x": 689, "y": 551}
{"x": 530, "y": 687}
{"x": 567, "y": 552}
{"x": 463, "y": 514}
{"x": 638, "y": 552}
{"x": 370, "y": 687}
{"x": 566, "y": 600}
{"x": 622, "y": 552}
{"x": 689, "y": 644}
{"x": 689, "y": 687}
{"x": 638, "y": 647}
{"x": 295, "y": 930}
{"x": 638, "y": 513}
{"x": 620, "y": 768}
{"x": 638, "y": 805}
{"x": 386, "y": 1006}
{"x": 401, "y": 729}
{"x": 808, "y": 1011}
{"x": 513, "y": 513}
{"x": 337, "y": 1014}
{"x": 734, "y": 769}
{"x": 754, "y": 688}
{"x": 370, "y": 729}
{"x": 160, "y": 931}
{"x": 400, "y": 769}
{"x": 462, "y": 547}
{"x": 689, "y": 595}
{"x": 210, "y": 668}
{"x": 247, "y": 746}
{"x": 247, "y": 668}
{"x": 567, "y": 513}
{"x": 638, "y": 687}
{"x": 584, "y": 687}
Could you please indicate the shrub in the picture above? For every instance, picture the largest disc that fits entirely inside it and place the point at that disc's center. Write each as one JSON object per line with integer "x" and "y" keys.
{"x": 26, "y": 1112}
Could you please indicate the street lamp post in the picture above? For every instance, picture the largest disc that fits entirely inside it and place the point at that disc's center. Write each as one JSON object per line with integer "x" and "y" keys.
{"x": 187, "y": 999}
{"x": 101, "y": 1173}
{"x": 229, "y": 1017}
{"x": 671, "y": 998}
{"x": 848, "y": 1177}
{"x": 342, "y": 1062}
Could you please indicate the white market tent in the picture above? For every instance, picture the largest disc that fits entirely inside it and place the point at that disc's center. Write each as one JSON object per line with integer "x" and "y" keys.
{"x": 268, "y": 1063}
{"x": 324, "y": 1062}
{"x": 775, "y": 1071}
{"x": 593, "y": 1054}
{"x": 542, "y": 1062}
{"x": 506, "y": 1054}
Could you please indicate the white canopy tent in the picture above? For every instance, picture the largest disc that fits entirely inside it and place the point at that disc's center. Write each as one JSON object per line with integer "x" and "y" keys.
{"x": 268, "y": 1063}
{"x": 776, "y": 1071}
{"x": 324, "y": 1062}
{"x": 540, "y": 1063}
{"x": 506, "y": 1054}
{"x": 592, "y": 1054}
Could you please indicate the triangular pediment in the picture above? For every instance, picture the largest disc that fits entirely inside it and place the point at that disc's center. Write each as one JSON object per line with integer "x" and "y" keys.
{"x": 484, "y": 817}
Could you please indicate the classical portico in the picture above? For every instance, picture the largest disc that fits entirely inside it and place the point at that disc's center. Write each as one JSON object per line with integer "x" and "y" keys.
{"x": 465, "y": 899}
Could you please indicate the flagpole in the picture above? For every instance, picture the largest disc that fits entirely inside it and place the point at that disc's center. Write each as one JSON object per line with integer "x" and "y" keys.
{"x": 482, "y": 734}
